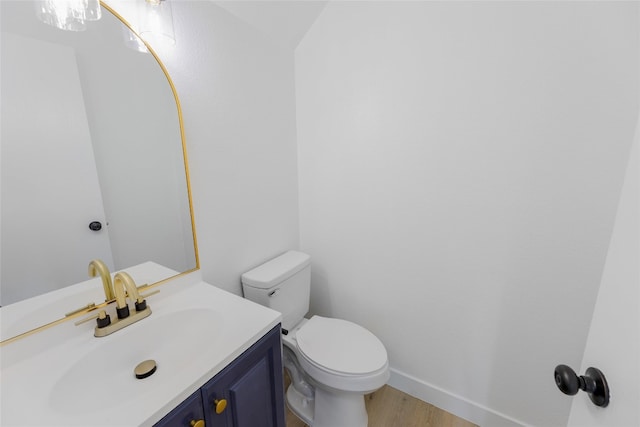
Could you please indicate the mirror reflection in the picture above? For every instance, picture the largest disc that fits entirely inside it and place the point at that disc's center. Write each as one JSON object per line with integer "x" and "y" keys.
{"x": 92, "y": 161}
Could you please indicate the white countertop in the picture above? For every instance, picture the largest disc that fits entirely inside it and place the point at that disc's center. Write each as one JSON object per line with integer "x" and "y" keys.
{"x": 65, "y": 376}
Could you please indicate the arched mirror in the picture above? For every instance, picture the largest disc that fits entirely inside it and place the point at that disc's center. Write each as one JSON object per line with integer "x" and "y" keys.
{"x": 92, "y": 156}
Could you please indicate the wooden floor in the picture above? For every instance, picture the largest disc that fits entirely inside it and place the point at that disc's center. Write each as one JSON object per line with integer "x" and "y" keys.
{"x": 389, "y": 407}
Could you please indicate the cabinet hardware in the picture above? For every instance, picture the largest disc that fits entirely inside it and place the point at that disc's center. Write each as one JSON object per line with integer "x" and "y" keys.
{"x": 220, "y": 405}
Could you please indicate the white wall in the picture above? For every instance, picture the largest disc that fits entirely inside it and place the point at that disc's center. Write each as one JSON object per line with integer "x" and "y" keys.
{"x": 237, "y": 94}
{"x": 460, "y": 166}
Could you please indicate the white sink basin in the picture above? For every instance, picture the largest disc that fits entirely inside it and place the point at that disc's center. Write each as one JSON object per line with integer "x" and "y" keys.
{"x": 173, "y": 340}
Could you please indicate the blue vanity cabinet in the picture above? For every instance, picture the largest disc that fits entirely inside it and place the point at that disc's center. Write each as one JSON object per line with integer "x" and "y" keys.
{"x": 249, "y": 392}
{"x": 252, "y": 386}
{"x": 187, "y": 414}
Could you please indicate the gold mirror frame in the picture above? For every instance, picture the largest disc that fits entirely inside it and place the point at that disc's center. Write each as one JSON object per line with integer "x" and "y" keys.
{"x": 96, "y": 306}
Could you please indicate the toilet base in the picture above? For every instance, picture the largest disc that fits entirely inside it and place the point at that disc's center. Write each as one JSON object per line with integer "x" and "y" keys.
{"x": 328, "y": 409}
{"x": 301, "y": 405}
{"x": 336, "y": 409}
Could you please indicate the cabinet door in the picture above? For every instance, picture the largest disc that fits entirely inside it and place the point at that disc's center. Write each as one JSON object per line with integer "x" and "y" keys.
{"x": 187, "y": 414}
{"x": 252, "y": 386}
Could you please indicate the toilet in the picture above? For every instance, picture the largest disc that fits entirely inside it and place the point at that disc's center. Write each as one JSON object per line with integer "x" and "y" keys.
{"x": 332, "y": 363}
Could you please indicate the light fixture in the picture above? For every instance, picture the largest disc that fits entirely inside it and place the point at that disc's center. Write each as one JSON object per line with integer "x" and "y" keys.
{"x": 156, "y": 23}
{"x": 69, "y": 15}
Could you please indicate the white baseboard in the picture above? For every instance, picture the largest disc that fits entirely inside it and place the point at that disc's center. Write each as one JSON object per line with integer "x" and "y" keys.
{"x": 450, "y": 402}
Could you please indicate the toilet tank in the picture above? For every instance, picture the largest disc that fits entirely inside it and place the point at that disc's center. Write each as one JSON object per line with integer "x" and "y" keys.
{"x": 282, "y": 284}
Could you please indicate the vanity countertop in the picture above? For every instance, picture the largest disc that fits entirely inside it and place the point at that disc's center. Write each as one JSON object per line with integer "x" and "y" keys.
{"x": 66, "y": 376}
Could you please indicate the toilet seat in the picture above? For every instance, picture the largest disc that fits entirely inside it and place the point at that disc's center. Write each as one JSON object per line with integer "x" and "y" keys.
{"x": 342, "y": 354}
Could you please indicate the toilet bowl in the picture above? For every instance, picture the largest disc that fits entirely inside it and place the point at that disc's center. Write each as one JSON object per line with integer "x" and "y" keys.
{"x": 332, "y": 363}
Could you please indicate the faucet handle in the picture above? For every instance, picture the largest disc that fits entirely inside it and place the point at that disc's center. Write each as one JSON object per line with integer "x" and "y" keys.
{"x": 103, "y": 319}
{"x": 122, "y": 312}
{"x": 140, "y": 304}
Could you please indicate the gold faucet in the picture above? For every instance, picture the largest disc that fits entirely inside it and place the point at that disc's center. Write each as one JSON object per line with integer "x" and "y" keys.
{"x": 121, "y": 282}
{"x": 98, "y": 267}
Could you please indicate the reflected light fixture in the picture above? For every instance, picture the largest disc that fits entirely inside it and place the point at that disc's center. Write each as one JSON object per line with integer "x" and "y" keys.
{"x": 69, "y": 15}
{"x": 156, "y": 22}
{"x": 132, "y": 41}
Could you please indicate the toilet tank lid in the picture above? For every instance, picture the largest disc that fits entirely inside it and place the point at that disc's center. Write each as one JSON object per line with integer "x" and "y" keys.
{"x": 273, "y": 272}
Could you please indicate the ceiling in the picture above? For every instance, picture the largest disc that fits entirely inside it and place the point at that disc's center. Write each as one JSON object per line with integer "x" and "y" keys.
{"x": 285, "y": 21}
